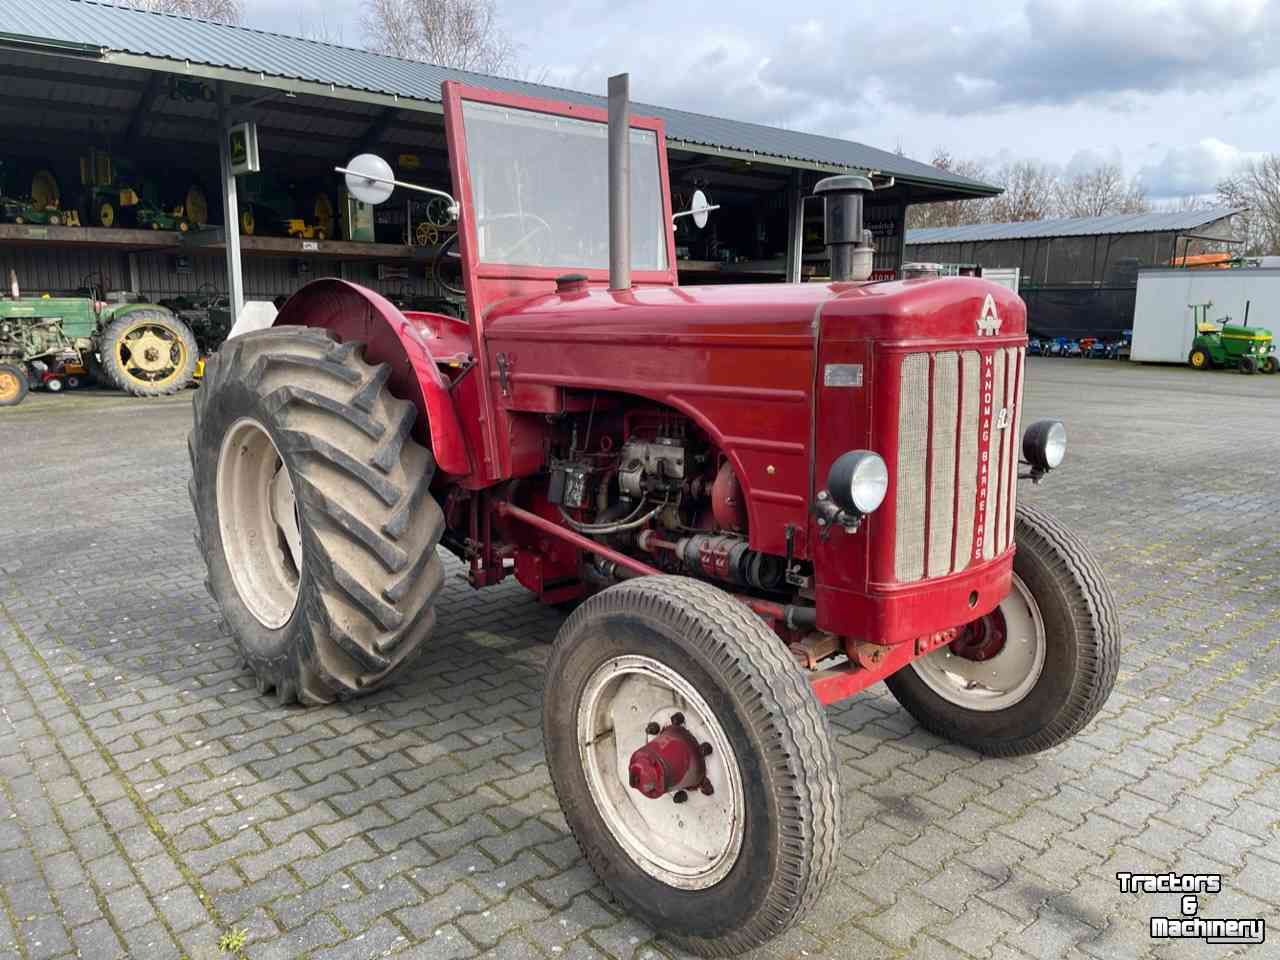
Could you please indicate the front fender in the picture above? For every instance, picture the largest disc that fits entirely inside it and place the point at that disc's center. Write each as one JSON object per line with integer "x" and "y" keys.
{"x": 353, "y": 312}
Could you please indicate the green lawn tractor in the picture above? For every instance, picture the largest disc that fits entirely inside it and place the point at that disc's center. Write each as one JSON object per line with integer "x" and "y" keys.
{"x": 1225, "y": 344}
{"x": 274, "y": 206}
{"x": 115, "y": 196}
{"x": 140, "y": 348}
{"x": 36, "y": 201}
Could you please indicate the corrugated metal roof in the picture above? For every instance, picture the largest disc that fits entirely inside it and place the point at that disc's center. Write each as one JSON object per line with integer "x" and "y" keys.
{"x": 170, "y": 37}
{"x": 1073, "y": 226}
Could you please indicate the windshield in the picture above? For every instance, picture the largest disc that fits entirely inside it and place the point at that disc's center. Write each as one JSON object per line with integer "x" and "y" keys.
{"x": 540, "y": 190}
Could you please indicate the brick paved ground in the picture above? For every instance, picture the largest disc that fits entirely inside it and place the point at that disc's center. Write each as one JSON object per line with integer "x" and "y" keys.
{"x": 150, "y": 802}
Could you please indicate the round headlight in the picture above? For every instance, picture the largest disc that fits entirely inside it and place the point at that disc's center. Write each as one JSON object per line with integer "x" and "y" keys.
{"x": 858, "y": 481}
{"x": 1044, "y": 445}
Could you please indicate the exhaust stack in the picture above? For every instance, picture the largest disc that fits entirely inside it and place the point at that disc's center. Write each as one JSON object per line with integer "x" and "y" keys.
{"x": 620, "y": 182}
{"x": 850, "y": 247}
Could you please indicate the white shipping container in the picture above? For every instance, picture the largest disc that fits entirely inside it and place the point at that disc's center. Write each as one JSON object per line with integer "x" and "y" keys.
{"x": 1162, "y": 317}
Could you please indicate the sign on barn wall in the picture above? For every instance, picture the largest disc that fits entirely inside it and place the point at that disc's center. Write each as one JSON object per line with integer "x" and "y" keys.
{"x": 242, "y": 145}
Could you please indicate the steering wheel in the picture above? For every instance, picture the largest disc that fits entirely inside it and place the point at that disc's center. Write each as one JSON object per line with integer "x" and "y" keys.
{"x": 540, "y": 227}
{"x": 437, "y": 274}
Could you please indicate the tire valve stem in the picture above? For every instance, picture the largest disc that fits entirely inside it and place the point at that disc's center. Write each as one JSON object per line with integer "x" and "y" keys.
{"x": 679, "y": 797}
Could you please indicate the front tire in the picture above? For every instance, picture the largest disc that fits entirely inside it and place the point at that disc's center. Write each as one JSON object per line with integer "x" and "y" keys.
{"x": 716, "y": 872}
{"x": 13, "y": 384}
{"x": 1053, "y": 649}
{"x": 314, "y": 516}
{"x": 1199, "y": 359}
{"x": 1248, "y": 366}
{"x": 1270, "y": 365}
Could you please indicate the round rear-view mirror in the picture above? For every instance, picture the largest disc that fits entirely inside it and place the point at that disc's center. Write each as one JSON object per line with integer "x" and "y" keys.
{"x": 369, "y": 178}
{"x": 700, "y": 208}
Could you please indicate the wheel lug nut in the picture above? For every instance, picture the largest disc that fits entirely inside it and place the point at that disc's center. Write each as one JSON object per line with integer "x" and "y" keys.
{"x": 678, "y": 719}
{"x": 706, "y": 788}
{"x": 679, "y": 797}
{"x": 652, "y": 728}
{"x": 706, "y": 749}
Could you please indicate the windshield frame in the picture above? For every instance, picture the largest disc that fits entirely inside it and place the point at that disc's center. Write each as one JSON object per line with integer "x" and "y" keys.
{"x": 459, "y": 162}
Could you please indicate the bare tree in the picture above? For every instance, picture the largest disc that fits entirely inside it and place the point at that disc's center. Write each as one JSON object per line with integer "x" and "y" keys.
{"x": 320, "y": 29}
{"x": 221, "y": 11}
{"x": 1029, "y": 188}
{"x": 466, "y": 34}
{"x": 951, "y": 213}
{"x": 1256, "y": 185}
{"x": 1099, "y": 192}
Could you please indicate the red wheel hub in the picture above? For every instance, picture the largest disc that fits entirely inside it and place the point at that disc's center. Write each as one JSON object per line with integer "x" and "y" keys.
{"x": 982, "y": 639}
{"x": 671, "y": 761}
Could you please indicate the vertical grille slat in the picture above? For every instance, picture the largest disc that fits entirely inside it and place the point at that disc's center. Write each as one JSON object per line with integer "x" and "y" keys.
{"x": 942, "y": 441}
{"x": 913, "y": 449}
{"x": 942, "y": 407}
{"x": 994, "y": 402}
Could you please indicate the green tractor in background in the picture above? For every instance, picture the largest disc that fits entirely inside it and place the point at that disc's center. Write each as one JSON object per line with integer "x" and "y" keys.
{"x": 34, "y": 198}
{"x": 115, "y": 195}
{"x": 274, "y": 206}
{"x": 140, "y": 348}
{"x": 1225, "y": 344}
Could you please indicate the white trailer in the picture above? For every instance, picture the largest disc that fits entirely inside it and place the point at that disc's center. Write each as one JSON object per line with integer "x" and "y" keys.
{"x": 1162, "y": 318}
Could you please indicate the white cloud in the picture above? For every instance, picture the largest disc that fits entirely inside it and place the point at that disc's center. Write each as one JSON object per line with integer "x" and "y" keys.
{"x": 1193, "y": 170}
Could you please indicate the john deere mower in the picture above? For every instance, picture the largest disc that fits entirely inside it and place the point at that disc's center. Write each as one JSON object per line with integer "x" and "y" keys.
{"x": 1222, "y": 343}
{"x": 115, "y": 196}
{"x": 36, "y": 200}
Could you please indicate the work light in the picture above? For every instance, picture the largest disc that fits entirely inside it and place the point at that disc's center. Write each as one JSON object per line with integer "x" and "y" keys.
{"x": 858, "y": 481}
{"x": 1044, "y": 444}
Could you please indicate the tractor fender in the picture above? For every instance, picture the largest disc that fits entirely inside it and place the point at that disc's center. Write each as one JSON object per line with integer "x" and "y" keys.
{"x": 354, "y": 312}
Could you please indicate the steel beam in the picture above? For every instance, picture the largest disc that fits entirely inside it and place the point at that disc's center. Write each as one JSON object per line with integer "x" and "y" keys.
{"x": 231, "y": 208}
{"x": 795, "y": 228}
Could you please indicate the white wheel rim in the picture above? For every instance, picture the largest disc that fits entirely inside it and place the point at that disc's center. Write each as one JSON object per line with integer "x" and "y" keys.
{"x": 1006, "y": 678}
{"x": 258, "y": 521}
{"x": 691, "y": 845}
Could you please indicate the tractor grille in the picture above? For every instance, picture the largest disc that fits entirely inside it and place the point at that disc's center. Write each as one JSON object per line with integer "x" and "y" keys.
{"x": 957, "y": 466}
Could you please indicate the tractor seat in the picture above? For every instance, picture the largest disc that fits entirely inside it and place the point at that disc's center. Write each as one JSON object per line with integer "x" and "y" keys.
{"x": 1208, "y": 328}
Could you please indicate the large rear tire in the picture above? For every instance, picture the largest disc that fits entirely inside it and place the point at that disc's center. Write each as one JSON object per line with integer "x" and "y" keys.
{"x": 1036, "y": 671}
{"x": 314, "y": 515}
{"x": 716, "y": 871}
{"x": 149, "y": 352}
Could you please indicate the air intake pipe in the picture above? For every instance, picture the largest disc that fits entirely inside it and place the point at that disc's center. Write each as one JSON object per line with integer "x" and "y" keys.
{"x": 849, "y": 245}
{"x": 620, "y": 182}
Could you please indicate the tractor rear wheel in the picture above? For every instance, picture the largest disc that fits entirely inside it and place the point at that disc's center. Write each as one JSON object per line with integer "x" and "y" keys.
{"x": 148, "y": 352}
{"x": 692, "y": 763}
{"x": 314, "y": 515}
{"x": 13, "y": 384}
{"x": 1200, "y": 359}
{"x": 1035, "y": 671}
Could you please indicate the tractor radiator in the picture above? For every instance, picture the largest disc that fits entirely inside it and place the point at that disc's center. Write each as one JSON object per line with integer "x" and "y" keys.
{"x": 959, "y": 418}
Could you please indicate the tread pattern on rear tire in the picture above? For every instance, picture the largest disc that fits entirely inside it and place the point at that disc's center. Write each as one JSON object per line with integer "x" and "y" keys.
{"x": 765, "y": 680}
{"x": 115, "y": 373}
{"x": 369, "y": 529}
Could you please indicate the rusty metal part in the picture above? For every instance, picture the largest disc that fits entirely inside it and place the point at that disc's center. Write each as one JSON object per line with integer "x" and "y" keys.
{"x": 507, "y": 509}
{"x": 868, "y": 655}
{"x": 815, "y": 647}
{"x": 982, "y": 639}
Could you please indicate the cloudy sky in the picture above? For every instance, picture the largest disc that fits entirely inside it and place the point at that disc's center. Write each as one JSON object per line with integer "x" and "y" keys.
{"x": 1178, "y": 92}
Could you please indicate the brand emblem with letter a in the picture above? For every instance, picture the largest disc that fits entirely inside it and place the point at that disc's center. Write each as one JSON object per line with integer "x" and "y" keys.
{"x": 1002, "y": 419}
{"x": 988, "y": 320}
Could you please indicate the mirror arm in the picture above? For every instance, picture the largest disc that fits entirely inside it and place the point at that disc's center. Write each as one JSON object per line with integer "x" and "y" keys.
{"x": 453, "y": 204}
{"x": 691, "y": 212}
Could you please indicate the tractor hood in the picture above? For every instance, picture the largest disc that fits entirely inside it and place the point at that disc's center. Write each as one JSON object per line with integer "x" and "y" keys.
{"x": 931, "y": 308}
{"x": 1233, "y": 331}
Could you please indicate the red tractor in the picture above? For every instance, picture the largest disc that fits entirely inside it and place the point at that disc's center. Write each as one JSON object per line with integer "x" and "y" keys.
{"x": 766, "y": 498}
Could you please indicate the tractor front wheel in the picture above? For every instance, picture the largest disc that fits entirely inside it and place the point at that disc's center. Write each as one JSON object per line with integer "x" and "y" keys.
{"x": 148, "y": 352}
{"x": 1270, "y": 365}
{"x": 1248, "y": 365}
{"x": 1200, "y": 359}
{"x": 314, "y": 515}
{"x": 13, "y": 384}
{"x": 692, "y": 763}
{"x": 1036, "y": 670}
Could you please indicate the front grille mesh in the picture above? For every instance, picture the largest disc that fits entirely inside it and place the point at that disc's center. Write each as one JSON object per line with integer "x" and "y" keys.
{"x": 940, "y": 456}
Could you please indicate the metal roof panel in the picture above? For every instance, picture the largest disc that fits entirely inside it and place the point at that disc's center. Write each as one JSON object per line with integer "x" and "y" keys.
{"x": 1073, "y": 227}
{"x": 182, "y": 39}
